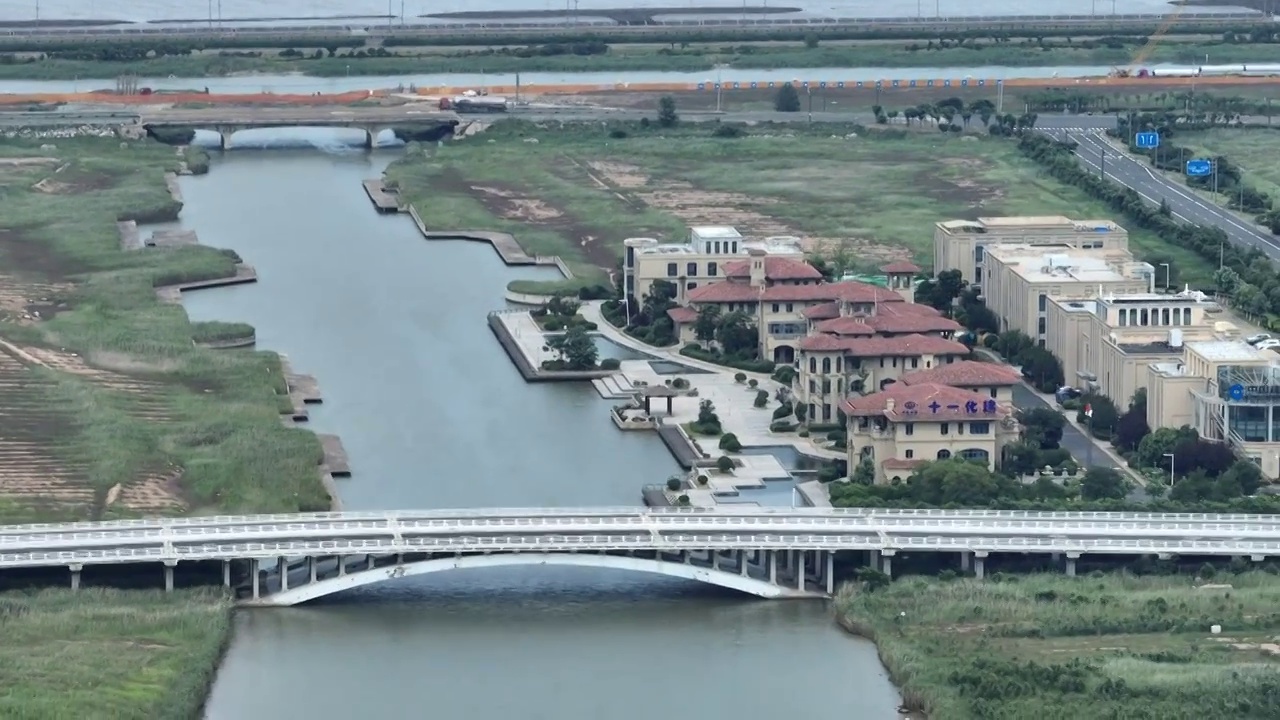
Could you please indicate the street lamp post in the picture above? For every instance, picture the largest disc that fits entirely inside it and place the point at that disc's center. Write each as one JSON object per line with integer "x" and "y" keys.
{"x": 1170, "y": 456}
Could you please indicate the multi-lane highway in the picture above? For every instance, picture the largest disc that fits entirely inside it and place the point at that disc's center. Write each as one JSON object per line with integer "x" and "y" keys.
{"x": 1103, "y": 155}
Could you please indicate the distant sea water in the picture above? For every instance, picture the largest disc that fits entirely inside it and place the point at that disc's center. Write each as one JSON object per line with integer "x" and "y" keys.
{"x": 143, "y": 10}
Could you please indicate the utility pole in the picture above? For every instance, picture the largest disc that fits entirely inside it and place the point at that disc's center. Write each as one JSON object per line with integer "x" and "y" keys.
{"x": 809, "y": 91}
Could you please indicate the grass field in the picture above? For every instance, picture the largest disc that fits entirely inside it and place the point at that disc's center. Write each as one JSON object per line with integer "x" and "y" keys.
{"x": 626, "y": 57}
{"x": 101, "y": 654}
{"x": 1049, "y": 646}
{"x": 110, "y": 409}
{"x": 870, "y": 194}
{"x": 1252, "y": 150}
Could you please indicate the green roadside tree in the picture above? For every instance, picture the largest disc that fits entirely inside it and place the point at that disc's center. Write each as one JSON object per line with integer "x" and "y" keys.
{"x": 667, "y": 116}
{"x": 787, "y": 100}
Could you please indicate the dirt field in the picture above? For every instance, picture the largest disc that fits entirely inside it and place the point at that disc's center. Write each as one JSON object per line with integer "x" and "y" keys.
{"x": 38, "y": 415}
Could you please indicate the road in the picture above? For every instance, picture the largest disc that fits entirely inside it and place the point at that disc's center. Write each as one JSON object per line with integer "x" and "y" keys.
{"x": 1102, "y": 155}
{"x": 631, "y": 529}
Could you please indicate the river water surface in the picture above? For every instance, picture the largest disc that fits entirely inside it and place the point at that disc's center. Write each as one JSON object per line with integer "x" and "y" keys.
{"x": 433, "y": 415}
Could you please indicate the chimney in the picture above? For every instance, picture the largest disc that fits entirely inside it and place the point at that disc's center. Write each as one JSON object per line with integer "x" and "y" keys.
{"x": 756, "y": 258}
{"x": 889, "y": 404}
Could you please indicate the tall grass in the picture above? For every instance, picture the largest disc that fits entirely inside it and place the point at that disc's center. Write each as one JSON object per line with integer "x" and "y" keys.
{"x": 215, "y": 414}
{"x": 1056, "y": 647}
{"x": 109, "y": 654}
{"x": 858, "y": 185}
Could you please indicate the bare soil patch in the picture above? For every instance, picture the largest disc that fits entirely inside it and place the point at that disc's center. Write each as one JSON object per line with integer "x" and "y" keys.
{"x": 964, "y": 188}
{"x": 159, "y": 493}
{"x": 518, "y": 205}
{"x": 749, "y": 214}
{"x": 24, "y": 256}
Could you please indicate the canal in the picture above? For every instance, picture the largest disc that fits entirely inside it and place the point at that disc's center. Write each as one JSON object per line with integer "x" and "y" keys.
{"x": 433, "y": 415}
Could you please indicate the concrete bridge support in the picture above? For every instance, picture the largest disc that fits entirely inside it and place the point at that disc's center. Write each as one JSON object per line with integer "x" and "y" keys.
{"x": 169, "y": 565}
{"x": 1071, "y": 563}
{"x": 979, "y": 563}
{"x": 75, "y": 575}
{"x": 888, "y": 561}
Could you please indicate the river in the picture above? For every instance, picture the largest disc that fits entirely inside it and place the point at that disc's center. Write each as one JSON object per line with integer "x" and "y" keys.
{"x": 433, "y": 415}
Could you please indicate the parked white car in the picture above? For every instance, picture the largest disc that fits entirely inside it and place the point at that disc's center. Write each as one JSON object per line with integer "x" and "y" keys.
{"x": 1268, "y": 345}
{"x": 1255, "y": 339}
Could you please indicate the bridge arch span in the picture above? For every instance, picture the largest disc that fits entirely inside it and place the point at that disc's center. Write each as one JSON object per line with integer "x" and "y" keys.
{"x": 352, "y": 580}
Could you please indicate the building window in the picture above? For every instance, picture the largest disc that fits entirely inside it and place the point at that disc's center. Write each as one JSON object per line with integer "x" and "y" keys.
{"x": 813, "y": 410}
{"x": 734, "y": 245}
{"x": 993, "y": 392}
{"x": 691, "y": 269}
{"x": 826, "y": 411}
{"x": 826, "y": 365}
{"x": 915, "y": 362}
{"x": 909, "y": 429}
{"x": 944, "y": 454}
{"x": 711, "y": 269}
{"x": 975, "y": 454}
{"x": 775, "y": 307}
{"x": 910, "y": 454}
{"x": 813, "y": 365}
{"x": 979, "y": 252}
{"x": 790, "y": 307}
{"x": 1044, "y": 302}
{"x": 1040, "y": 326}
{"x": 977, "y": 275}
{"x": 980, "y": 428}
{"x": 1124, "y": 318}
{"x": 691, "y": 286}
{"x": 1164, "y": 316}
{"x": 838, "y": 365}
{"x": 944, "y": 429}
{"x": 1146, "y": 317}
{"x": 813, "y": 387}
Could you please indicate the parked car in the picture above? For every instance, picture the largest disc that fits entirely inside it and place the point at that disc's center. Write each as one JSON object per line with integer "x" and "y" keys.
{"x": 1255, "y": 339}
{"x": 1268, "y": 345}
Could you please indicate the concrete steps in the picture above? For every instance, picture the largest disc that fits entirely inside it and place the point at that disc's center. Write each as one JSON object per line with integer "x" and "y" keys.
{"x": 614, "y": 387}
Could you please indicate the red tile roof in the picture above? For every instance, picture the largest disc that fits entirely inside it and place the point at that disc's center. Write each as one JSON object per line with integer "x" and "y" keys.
{"x": 902, "y": 266}
{"x": 825, "y": 311}
{"x": 680, "y": 315}
{"x": 913, "y": 324}
{"x": 775, "y": 268}
{"x": 856, "y": 292}
{"x": 724, "y": 292}
{"x": 902, "y": 464}
{"x": 966, "y": 373}
{"x": 924, "y": 402}
{"x": 845, "y": 326}
{"x": 901, "y": 346}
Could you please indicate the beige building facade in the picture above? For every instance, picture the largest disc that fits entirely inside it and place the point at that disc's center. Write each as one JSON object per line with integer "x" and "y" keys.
{"x": 1227, "y": 390}
{"x": 696, "y": 263}
{"x": 1021, "y": 279}
{"x": 1106, "y": 344}
{"x": 962, "y": 244}
{"x": 905, "y": 426}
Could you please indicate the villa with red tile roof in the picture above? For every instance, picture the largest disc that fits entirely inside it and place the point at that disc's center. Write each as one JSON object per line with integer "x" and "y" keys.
{"x": 900, "y": 428}
{"x": 777, "y": 292}
{"x": 990, "y": 379}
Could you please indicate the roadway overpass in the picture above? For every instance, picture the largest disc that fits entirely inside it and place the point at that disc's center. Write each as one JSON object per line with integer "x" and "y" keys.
{"x": 763, "y": 551}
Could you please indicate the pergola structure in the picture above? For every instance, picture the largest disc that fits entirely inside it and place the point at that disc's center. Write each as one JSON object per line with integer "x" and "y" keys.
{"x": 657, "y": 391}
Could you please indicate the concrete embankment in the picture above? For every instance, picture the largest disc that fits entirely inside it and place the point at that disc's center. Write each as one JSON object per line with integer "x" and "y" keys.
{"x": 527, "y": 366}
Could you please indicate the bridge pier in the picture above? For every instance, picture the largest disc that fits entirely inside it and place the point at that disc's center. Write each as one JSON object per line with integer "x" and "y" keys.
{"x": 964, "y": 561}
{"x": 830, "y": 572}
{"x": 169, "y": 565}
{"x": 773, "y": 566}
{"x": 257, "y": 578}
{"x": 342, "y": 565}
{"x": 226, "y": 573}
{"x": 800, "y": 573}
{"x": 742, "y": 563}
{"x": 979, "y": 563}
{"x": 311, "y": 568}
{"x": 1071, "y": 564}
{"x": 75, "y": 575}
{"x": 282, "y": 569}
{"x": 888, "y": 562}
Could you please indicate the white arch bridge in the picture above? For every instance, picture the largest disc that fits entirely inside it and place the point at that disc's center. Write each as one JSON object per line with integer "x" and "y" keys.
{"x": 769, "y": 552}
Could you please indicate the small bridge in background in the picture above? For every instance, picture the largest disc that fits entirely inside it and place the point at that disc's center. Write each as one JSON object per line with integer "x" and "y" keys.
{"x": 768, "y": 552}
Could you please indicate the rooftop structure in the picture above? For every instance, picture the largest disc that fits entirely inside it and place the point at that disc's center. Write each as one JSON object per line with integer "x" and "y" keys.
{"x": 962, "y": 244}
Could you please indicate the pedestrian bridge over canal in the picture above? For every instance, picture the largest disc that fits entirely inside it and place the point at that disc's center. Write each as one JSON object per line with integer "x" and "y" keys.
{"x": 769, "y": 552}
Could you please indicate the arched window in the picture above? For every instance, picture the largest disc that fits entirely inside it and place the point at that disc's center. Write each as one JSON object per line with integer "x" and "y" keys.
{"x": 944, "y": 454}
{"x": 813, "y": 365}
{"x": 826, "y": 365}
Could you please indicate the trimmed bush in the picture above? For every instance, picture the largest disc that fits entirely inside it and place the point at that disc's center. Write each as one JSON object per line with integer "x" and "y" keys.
{"x": 729, "y": 443}
{"x": 762, "y": 398}
{"x": 724, "y": 464}
{"x": 784, "y": 411}
{"x": 740, "y": 377}
{"x": 673, "y": 483}
{"x": 610, "y": 364}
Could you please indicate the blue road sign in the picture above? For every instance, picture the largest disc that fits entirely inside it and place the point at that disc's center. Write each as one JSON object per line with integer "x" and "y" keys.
{"x": 1199, "y": 168}
{"x": 1147, "y": 140}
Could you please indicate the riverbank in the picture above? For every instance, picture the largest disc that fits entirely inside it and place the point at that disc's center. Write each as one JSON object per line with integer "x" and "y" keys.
{"x": 636, "y": 57}
{"x": 1016, "y": 646}
{"x": 134, "y": 655}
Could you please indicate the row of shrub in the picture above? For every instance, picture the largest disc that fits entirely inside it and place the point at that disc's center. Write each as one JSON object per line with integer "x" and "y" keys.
{"x": 757, "y": 366}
